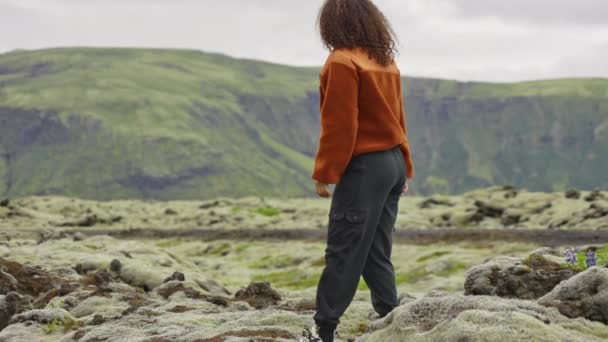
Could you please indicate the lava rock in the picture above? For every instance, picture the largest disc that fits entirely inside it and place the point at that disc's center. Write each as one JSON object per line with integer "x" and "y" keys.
{"x": 170, "y": 211}
{"x": 78, "y": 236}
{"x": 12, "y": 304}
{"x": 593, "y": 196}
{"x": 175, "y": 276}
{"x": 573, "y": 194}
{"x": 211, "y": 204}
{"x": 595, "y": 211}
{"x": 115, "y": 266}
{"x": 584, "y": 295}
{"x": 479, "y": 318}
{"x": 25, "y": 279}
{"x": 512, "y": 277}
{"x": 488, "y": 209}
{"x": 430, "y": 202}
{"x": 258, "y": 294}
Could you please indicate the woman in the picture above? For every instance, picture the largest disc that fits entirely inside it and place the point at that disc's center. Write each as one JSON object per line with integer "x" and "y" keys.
{"x": 364, "y": 150}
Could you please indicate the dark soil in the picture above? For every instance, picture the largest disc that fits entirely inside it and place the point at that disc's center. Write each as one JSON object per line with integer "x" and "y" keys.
{"x": 543, "y": 237}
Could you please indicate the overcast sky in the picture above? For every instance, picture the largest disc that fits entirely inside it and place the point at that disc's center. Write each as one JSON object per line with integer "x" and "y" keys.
{"x": 495, "y": 40}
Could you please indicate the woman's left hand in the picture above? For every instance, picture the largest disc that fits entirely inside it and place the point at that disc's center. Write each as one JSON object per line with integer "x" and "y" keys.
{"x": 323, "y": 189}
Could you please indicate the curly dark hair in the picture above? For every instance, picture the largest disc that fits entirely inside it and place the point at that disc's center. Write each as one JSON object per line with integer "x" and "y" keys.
{"x": 357, "y": 23}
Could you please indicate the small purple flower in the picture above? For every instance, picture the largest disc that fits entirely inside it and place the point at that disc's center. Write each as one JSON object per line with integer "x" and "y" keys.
{"x": 570, "y": 256}
{"x": 591, "y": 259}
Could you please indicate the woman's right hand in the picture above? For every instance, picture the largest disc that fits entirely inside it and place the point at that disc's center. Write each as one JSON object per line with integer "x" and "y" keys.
{"x": 405, "y": 187}
{"x": 322, "y": 189}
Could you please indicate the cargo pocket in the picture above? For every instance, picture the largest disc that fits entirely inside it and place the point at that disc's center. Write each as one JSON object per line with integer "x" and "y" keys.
{"x": 344, "y": 224}
{"x": 344, "y": 232}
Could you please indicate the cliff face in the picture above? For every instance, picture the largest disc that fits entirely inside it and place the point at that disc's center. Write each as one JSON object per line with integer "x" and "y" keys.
{"x": 172, "y": 124}
{"x": 544, "y": 143}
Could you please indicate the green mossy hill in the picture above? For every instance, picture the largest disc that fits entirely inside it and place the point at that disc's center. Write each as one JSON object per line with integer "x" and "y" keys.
{"x": 181, "y": 124}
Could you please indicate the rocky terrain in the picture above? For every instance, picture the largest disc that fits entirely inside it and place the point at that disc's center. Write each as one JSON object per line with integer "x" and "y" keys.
{"x": 77, "y": 270}
{"x": 104, "y": 289}
{"x": 490, "y": 208}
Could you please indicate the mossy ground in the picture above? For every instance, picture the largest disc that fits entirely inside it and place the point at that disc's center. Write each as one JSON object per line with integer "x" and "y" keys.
{"x": 518, "y": 209}
{"x": 292, "y": 267}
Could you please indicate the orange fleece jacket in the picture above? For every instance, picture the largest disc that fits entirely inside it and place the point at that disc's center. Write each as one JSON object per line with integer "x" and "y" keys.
{"x": 362, "y": 111}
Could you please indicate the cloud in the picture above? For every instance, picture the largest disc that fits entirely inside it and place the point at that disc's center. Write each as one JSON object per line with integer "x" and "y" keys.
{"x": 467, "y": 40}
{"x": 535, "y": 12}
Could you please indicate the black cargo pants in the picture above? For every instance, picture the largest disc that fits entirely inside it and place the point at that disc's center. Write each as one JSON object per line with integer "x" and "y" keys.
{"x": 359, "y": 238}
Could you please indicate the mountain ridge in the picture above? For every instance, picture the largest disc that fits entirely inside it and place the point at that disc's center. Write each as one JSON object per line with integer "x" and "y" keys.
{"x": 109, "y": 123}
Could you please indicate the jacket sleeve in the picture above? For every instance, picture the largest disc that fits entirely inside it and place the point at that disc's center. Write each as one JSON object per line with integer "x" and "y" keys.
{"x": 405, "y": 147}
{"x": 339, "y": 92}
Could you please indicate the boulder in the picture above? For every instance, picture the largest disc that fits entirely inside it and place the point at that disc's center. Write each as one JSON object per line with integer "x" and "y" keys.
{"x": 489, "y": 209}
{"x": 594, "y": 195}
{"x": 42, "y": 316}
{"x": 8, "y": 283}
{"x": 115, "y": 266}
{"x": 258, "y": 294}
{"x": 175, "y": 276}
{"x": 528, "y": 278}
{"x": 595, "y": 210}
{"x": 21, "y": 332}
{"x": 573, "y": 194}
{"x": 431, "y": 202}
{"x": 584, "y": 295}
{"x": 11, "y": 304}
{"x": 456, "y": 318}
{"x": 167, "y": 289}
{"x": 25, "y": 279}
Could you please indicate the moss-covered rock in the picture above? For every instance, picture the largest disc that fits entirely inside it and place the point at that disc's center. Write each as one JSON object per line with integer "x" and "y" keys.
{"x": 453, "y": 318}
{"x": 528, "y": 278}
{"x": 583, "y": 295}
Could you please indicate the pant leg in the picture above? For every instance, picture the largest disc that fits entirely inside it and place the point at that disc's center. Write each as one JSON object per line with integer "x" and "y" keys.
{"x": 356, "y": 209}
{"x": 378, "y": 272}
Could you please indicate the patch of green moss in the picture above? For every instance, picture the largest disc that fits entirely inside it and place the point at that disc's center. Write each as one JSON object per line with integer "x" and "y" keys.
{"x": 454, "y": 268}
{"x": 241, "y": 247}
{"x": 50, "y": 326}
{"x": 72, "y": 324}
{"x": 420, "y": 272}
{"x": 93, "y": 247}
{"x": 294, "y": 279}
{"x": 68, "y": 324}
{"x": 273, "y": 261}
{"x": 169, "y": 243}
{"x": 432, "y": 256}
{"x": 362, "y": 285}
{"x": 320, "y": 262}
{"x": 221, "y": 248}
{"x": 411, "y": 276}
{"x": 576, "y": 267}
{"x": 534, "y": 259}
{"x": 267, "y": 211}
